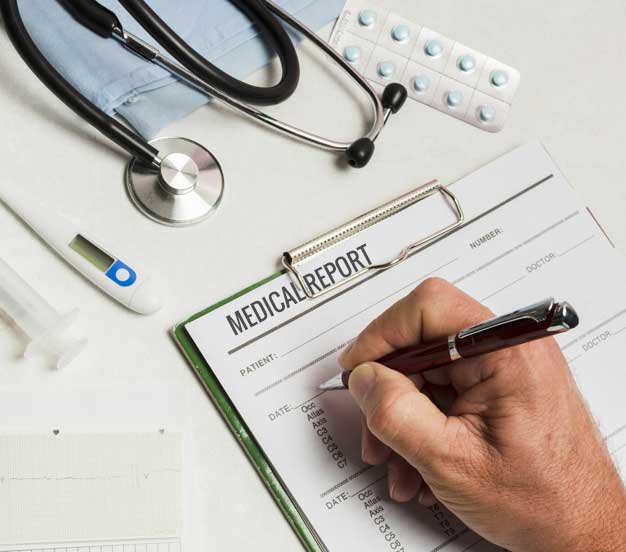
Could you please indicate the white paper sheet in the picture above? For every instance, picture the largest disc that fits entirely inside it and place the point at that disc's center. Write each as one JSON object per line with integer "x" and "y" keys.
{"x": 96, "y": 469}
{"x": 150, "y": 545}
{"x": 96, "y": 487}
{"x": 527, "y": 237}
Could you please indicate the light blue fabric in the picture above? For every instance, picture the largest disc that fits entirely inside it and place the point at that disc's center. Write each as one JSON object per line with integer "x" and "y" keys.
{"x": 148, "y": 97}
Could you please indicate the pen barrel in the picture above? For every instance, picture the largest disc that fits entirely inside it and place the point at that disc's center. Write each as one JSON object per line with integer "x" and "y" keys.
{"x": 502, "y": 337}
{"x": 417, "y": 359}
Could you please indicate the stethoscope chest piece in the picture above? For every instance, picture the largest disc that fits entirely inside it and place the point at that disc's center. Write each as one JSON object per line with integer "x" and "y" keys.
{"x": 185, "y": 189}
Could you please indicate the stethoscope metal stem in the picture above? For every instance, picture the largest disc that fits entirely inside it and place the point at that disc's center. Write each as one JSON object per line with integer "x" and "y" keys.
{"x": 381, "y": 115}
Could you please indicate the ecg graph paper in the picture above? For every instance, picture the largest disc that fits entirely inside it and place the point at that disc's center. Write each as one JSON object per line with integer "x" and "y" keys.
{"x": 164, "y": 546}
{"x": 91, "y": 493}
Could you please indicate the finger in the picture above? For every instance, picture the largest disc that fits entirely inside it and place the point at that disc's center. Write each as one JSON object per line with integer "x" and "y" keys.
{"x": 438, "y": 376}
{"x": 403, "y": 479}
{"x": 443, "y": 396}
{"x": 417, "y": 379}
{"x": 373, "y": 452}
{"x": 426, "y": 497}
{"x": 398, "y": 414}
{"x": 433, "y": 310}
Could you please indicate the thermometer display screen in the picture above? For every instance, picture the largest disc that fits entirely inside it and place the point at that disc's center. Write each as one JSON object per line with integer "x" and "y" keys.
{"x": 92, "y": 253}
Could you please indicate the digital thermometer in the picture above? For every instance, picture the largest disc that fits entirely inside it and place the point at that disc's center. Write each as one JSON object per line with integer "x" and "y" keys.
{"x": 125, "y": 283}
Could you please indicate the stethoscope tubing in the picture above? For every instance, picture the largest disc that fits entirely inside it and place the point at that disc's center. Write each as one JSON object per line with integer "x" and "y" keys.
{"x": 105, "y": 23}
{"x": 274, "y": 36}
{"x": 381, "y": 114}
{"x": 153, "y": 55}
{"x": 124, "y": 137}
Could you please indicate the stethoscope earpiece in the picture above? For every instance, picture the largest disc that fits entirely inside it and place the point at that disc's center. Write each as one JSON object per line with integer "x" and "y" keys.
{"x": 394, "y": 96}
{"x": 185, "y": 188}
{"x": 360, "y": 153}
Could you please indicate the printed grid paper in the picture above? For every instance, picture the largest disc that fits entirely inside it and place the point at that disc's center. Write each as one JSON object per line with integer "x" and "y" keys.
{"x": 100, "y": 488}
{"x": 163, "y": 546}
{"x": 477, "y": 101}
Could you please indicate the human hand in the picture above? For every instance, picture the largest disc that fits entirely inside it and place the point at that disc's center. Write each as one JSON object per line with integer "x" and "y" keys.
{"x": 504, "y": 441}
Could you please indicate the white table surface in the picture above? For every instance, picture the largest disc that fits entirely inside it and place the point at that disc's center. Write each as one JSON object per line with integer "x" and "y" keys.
{"x": 279, "y": 193}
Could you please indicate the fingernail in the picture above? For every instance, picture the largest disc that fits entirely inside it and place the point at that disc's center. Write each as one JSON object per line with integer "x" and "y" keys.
{"x": 426, "y": 497}
{"x": 345, "y": 377}
{"x": 392, "y": 480}
{"x": 361, "y": 380}
{"x": 344, "y": 354}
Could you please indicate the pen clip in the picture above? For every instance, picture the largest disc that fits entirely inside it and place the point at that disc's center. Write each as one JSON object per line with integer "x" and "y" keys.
{"x": 537, "y": 312}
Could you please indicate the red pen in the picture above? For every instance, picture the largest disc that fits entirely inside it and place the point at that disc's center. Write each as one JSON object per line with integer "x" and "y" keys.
{"x": 534, "y": 322}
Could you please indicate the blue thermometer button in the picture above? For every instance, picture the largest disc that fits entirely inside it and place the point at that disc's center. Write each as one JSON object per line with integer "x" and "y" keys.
{"x": 121, "y": 274}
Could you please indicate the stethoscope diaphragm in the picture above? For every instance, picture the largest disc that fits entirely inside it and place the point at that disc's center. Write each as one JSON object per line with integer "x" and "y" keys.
{"x": 185, "y": 189}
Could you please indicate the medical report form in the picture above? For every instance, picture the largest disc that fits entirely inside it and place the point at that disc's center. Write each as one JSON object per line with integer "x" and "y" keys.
{"x": 526, "y": 237}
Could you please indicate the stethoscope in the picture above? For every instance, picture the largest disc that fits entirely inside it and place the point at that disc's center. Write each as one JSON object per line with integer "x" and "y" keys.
{"x": 176, "y": 181}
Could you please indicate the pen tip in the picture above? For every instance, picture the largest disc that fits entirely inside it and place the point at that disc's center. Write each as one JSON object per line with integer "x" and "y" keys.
{"x": 336, "y": 382}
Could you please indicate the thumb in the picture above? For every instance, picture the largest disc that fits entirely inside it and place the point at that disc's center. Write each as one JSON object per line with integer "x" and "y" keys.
{"x": 398, "y": 414}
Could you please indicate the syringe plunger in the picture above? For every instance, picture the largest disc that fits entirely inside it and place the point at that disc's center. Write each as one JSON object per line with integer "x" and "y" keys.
{"x": 48, "y": 331}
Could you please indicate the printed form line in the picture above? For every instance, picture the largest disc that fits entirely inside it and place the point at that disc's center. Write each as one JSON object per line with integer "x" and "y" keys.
{"x": 594, "y": 329}
{"x": 309, "y": 400}
{"x": 575, "y": 246}
{"x": 301, "y": 369}
{"x": 618, "y": 449}
{"x": 368, "y": 486}
{"x": 502, "y": 289}
{"x": 346, "y": 480}
{"x": 614, "y": 433}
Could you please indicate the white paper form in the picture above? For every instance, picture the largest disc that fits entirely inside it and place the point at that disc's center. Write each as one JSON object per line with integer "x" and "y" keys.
{"x": 527, "y": 237}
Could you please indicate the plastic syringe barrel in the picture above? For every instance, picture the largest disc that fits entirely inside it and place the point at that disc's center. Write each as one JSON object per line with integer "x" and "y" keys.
{"x": 50, "y": 333}
{"x": 30, "y": 311}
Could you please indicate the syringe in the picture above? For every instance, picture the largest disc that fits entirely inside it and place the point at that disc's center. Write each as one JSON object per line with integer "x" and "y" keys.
{"x": 49, "y": 332}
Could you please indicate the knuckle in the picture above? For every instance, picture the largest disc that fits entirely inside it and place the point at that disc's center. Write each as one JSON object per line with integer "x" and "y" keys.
{"x": 396, "y": 333}
{"x": 432, "y": 286}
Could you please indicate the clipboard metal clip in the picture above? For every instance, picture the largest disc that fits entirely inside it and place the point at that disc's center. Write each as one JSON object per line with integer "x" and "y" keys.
{"x": 291, "y": 260}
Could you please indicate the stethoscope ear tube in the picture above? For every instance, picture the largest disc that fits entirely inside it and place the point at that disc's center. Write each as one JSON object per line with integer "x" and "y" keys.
{"x": 270, "y": 28}
{"x": 93, "y": 15}
{"x": 118, "y": 133}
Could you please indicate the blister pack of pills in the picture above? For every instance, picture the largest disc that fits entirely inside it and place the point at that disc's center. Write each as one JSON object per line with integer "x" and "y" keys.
{"x": 436, "y": 70}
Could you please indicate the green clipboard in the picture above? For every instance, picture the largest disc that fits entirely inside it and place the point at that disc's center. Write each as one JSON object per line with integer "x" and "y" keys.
{"x": 290, "y": 261}
{"x": 238, "y": 425}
